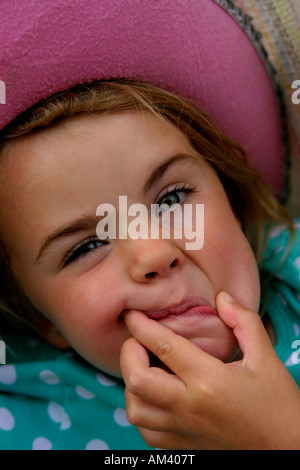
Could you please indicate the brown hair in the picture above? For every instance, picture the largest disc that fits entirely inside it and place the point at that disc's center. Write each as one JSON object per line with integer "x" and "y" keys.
{"x": 250, "y": 197}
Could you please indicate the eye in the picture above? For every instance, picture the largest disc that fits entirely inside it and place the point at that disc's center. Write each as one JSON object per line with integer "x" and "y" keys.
{"x": 173, "y": 197}
{"x": 83, "y": 249}
{"x": 171, "y": 200}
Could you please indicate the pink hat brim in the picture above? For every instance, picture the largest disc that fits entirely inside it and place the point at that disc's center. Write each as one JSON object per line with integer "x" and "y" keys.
{"x": 193, "y": 48}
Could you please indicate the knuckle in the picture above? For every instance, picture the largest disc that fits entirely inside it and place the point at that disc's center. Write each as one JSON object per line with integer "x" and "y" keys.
{"x": 162, "y": 349}
{"x": 133, "y": 415}
{"x": 135, "y": 382}
{"x": 161, "y": 440}
{"x": 153, "y": 439}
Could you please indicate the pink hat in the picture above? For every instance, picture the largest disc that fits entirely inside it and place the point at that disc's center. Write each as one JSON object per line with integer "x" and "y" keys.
{"x": 192, "y": 47}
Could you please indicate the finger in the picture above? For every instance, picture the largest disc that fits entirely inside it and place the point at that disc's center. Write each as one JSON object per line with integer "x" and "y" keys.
{"x": 147, "y": 415}
{"x": 247, "y": 327}
{"x": 151, "y": 384}
{"x": 167, "y": 440}
{"x": 133, "y": 356}
{"x": 181, "y": 356}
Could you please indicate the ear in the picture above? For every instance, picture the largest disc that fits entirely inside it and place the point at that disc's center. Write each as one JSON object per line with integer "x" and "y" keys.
{"x": 54, "y": 336}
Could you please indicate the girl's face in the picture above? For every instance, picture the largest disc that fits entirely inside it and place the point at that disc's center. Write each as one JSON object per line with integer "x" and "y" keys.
{"x": 52, "y": 186}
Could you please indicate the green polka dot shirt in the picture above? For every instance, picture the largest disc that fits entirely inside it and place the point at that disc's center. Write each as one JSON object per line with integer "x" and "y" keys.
{"x": 52, "y": 399}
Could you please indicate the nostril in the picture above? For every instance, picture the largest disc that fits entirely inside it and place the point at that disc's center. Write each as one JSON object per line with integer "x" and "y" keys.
{"x": 151, "y": 275}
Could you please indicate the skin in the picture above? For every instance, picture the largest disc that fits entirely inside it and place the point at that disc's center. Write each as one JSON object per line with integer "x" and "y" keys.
{"x": 204, "y": 403}
{"x": 62, "y": 174}
{"x": 66, "y": 172}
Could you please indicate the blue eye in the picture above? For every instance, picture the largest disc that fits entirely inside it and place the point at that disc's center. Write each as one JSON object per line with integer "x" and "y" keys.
{"x": 83, "y": 249}
{"x": 172, "y": 198}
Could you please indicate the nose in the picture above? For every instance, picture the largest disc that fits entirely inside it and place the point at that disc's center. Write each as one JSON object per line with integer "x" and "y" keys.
{"x": 148, "y": 259}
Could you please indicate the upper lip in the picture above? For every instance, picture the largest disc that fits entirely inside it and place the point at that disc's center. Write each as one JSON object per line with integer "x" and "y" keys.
{"x": 176, "y": 309}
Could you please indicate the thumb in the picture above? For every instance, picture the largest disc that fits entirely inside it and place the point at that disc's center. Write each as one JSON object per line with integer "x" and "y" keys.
{"x": 247, "y": 328}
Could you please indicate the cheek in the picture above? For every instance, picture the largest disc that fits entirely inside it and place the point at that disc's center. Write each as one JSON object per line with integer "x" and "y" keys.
{"x": 237, "y": 271}
{"x": 88, "y": 316}
{"x": 87, "y": 300}
{"x": 227, "y": 256}
{"x": 78, "y": 303}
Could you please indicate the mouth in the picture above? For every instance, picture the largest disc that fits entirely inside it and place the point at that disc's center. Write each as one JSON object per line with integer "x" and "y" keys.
{"x": 188, "y": 307}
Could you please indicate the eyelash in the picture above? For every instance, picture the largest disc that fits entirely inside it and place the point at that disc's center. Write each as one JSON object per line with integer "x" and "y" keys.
{"x": 74, "y": 255}
{"x": 186, "y": 188}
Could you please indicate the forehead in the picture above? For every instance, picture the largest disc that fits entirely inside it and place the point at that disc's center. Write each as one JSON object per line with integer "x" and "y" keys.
{"x": 112, "y": 140}
{"x": 75, "y": 166}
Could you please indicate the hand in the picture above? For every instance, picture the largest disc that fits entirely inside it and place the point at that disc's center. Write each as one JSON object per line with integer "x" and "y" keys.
{"x": 204, "y": 403}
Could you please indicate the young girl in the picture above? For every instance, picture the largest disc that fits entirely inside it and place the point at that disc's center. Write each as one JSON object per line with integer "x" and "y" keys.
{"x": 192, "y": 309}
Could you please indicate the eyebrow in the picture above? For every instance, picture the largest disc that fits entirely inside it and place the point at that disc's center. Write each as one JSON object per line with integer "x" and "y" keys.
{"x": 84, "y": 223}
{"x": 87, "y": 222}
{"x": 161, "y": 170}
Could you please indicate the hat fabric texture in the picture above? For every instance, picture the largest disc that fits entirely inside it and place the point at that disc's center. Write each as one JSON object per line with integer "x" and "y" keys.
{"x": 195, "y": 48}
{"x": 278, "y": 25}
{"x": 274, "y": 28}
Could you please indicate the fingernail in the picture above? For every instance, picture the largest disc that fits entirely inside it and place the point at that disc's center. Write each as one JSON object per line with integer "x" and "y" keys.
{"x": 227, "y": 297}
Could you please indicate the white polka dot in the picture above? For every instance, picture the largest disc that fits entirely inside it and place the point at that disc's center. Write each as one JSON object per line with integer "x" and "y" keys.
{"x": 296, "y": 329}
{"x": 297, "y": 262}
{"x": 8, "y": 375}
{"x": 41, "y": 443}
{"x": 277, "y": 230}
{"x": 290, "y": 362}
{"x": 297, "y": 226}
{"x": 58, "y": 415}
{"x": 49, "y": 377}
{"x": 7, "y": 421}
{"x": 84, "y": 393}
{"x": 104, "y": 380}
{"x": 120, "y": 417}
{"x": 96, "y": 444}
